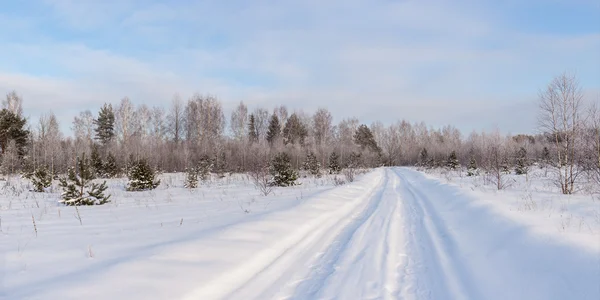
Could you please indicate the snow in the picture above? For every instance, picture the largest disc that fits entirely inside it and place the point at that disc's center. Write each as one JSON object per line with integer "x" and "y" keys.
{"x": 394, "y": 233}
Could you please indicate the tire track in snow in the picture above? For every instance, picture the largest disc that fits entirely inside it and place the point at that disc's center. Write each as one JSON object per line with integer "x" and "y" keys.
{"x": 437, "y": 273}
{"x": 266, "y": 272}
{"x": 363, "y": 261}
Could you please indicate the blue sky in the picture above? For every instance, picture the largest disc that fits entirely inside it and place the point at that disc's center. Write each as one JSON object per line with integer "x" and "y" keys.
{"x": 474, "y": 64}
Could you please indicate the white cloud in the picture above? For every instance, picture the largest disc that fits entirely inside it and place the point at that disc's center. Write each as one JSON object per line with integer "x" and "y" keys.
{"x": 437, "y": 61}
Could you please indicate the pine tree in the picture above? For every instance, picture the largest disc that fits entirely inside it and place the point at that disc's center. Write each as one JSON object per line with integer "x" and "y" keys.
{"x": 105, "y": 124}
{"x": 41, "y": 179}
{"x": 282, "y": 171}
{"x": 545, "y": 157}
{"x": 452, "y": 162}
{"x": 354, "y": 161}
{"x": 191, "y": 179}
{"x": 111, "y": 169}
{"x": 504, "y": 165}
{"x": 274, "y": 130}
{"x": 334, "y": 164}
{"x": 78, "y": 188}
{"x": 312, "y": 165}
{"x": 12, "y": 128}
{"x": 142, "y": 177}
{"x": 522, "y": 165}
{"x": 423, "y": 157}
{"x": 294, "y": 131}
{"x": 365, "y": 139}
{"x": 96, "y": 160}
{"x": 252, "y": 132}
{"x": 220, "y": 164}
{"x": 472, "y": 168}
{"x": 205, "y": 166}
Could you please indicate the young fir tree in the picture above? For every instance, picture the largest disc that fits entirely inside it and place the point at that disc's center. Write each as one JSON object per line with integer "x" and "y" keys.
{"x": 312, "y": 165}
{"x": 282, "y": 170}
{"x": 472, "y": 168}
{"x": 334, "y": 164}
{"x": 274, "y": 130}
{"x": 354, "y": 161}
{"x": 78, "y": 188}
{"x": 545, "y": 160}
{"x": 111, "y": 169}
{"x": 191, "y": 179}
{"x": 220, "y": 164}
{"x": 205, "y": 166}
{"x": 252, "y": 132}
{"x": 41, "y": 179}
{"x": 142, "y": 177}
{"x": 521, "y": 163}
{"x": 452, "y": 162}
{"x": 504, "y": 165}
{"x": 423, "y": 158}
{"x": 96, "y": 161}
{"x": 105, "y": 125}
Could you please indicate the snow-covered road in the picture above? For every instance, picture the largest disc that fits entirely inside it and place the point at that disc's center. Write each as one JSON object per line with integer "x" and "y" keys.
{"x": 394, "y": 234}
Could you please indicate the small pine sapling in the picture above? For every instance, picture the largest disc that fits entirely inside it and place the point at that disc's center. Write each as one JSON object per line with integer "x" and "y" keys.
{"x": 191, "y": 179}
{"x": 79, "y": 188}
{"x": 452, "y": 162}
{"x": 282, "y": 170}
{"x": 522, "y": 165}
{"x": 205, "y": 166}
{"x": 41, "y": 179}
{"x": 472, "y": 168}
{"x": 142, "y": 177}
{"x": 111, "y": 169}
{"x": 312, "y": 165}
{"x": 334, "y": 164}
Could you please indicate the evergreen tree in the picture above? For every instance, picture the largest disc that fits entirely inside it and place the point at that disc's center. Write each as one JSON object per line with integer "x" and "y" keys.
{"x": 105, "y": 124}
{"x": 12, "y": 128}
{"x": 111, "y": 169}
{"x": 354, "y": 161}
{"x": 312, "y": 165}
{"x": 41, "y": 179}
{"x": 282, "y": 170}
{"x": 191, "y": 179}
{"x": 78, "y": 188}
{"x": 220, "y": 164}
{"x": 294, "y": 131}
{"x": 504, "y": 165}
{"x": 334, "y": 164}
{"x": 96, "y": 160}
{"x": 423, "y": 157}
{"x": 205, "y": 166}
{"x": 472, "y": 168}
{"x": 545, "y": 157}
{"x": 274, "y": 130}
{"x": 522, "y": 165}
{"x": 252, "y": 132}
{"x": 142, "y": 177}
{"x": 10, "y": 158}
{"x": 365, "y": 139}
{"x": 452, "y": 162}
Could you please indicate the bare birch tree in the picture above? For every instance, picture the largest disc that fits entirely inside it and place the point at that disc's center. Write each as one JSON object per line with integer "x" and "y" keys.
{"x": 560, "y": 119}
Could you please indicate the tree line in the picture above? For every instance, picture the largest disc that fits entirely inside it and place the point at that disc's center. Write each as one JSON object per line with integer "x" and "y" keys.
{"x": 187, "y": 133}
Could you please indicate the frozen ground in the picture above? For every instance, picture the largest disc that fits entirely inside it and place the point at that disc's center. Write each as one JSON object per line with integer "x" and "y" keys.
{"x": 393, "y": 234}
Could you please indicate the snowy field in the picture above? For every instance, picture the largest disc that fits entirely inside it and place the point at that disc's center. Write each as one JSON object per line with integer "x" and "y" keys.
{"x": 394, "y": 233}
